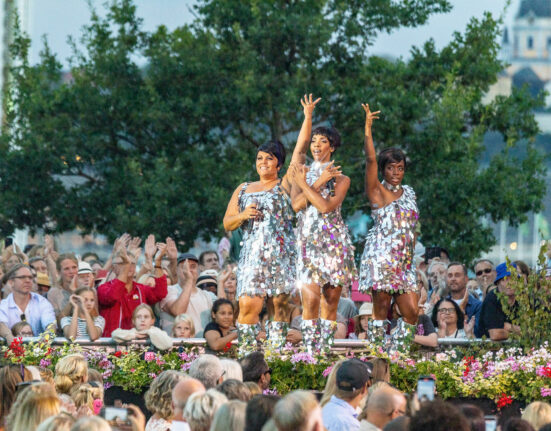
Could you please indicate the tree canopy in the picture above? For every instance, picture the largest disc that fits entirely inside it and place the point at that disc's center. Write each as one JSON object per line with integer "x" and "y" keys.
{"x": 150, "y": 132}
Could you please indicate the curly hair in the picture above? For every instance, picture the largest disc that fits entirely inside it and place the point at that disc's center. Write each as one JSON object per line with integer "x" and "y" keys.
{"x": 158, "y": 398}
{"x": 70, "y": 371}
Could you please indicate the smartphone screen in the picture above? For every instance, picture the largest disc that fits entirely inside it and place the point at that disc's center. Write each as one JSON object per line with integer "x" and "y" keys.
{"x": 115, "y": 415}
{"x": 425, "y": 389}
{"x": 491, "y": 424}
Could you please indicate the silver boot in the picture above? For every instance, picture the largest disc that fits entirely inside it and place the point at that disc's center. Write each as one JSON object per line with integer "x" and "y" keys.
{"x": 246, "y": 336}
{"x": 310, "y": 335}
{"x": 401, "y": 337}
{"x": 377, "y": 333}
{"x": 327, "y": 335}
{"x": 276, "y": 333}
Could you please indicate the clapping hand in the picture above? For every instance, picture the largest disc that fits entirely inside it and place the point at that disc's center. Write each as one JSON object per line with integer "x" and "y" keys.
{"x": 150, "y": 247}
{"x": 171, "y": 249}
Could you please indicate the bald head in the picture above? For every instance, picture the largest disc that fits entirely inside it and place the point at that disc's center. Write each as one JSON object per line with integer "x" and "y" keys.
{"x": 182, "y": 392}
{"x": 385, "y": 404}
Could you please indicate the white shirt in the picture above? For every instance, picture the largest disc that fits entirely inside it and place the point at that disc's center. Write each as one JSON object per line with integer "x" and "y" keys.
{"x": 180, "y": 426}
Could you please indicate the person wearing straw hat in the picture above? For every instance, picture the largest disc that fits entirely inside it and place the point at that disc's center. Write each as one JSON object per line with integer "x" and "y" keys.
{"x": 361, "y": 321}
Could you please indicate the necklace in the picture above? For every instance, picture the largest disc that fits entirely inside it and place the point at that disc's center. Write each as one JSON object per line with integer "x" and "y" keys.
{"x": 391, "y": 187}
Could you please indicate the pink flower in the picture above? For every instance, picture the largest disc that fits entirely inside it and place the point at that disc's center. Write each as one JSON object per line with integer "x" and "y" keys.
{"x": 149, "y": 356}
{"x": 545, "y": 392}
{"x": 327, "y": 371}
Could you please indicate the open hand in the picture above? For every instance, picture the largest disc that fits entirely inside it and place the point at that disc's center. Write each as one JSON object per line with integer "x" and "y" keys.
{"x": 308, "y": 104}
{"x": 171, "y": 250}
{"x": 150, "y": 246}
{"x": 329, "y": 172}
{"x": 369, "y": 116}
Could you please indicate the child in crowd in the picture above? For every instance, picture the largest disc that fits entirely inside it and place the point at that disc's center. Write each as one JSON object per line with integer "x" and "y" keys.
{"x": 143, "y": 320}
{"x": 84, "y": 320}
{"x": 221, "y": 331}
{"x": 361, "y": 321}
{"x": 183, "y": 327}
{"x": 22, "y": 329}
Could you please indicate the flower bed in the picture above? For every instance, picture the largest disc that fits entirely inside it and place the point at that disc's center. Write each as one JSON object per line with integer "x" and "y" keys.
{"x": 501, "y": 375}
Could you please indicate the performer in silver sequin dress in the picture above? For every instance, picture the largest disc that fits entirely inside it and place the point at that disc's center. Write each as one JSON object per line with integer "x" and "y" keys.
{"x": 267, "y": 260}
{"x": 325, "y": 253}
{"x": 387, "y": 268}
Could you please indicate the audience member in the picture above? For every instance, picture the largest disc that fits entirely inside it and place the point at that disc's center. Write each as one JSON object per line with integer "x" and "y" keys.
{"x": 437, "y": 273}
{"x": 474, "y": 415}
{"x": 331, "y": 383}
{"x": 361, "y": 321}
{"x": 43, "y": 284}
{"x": 449, "y": 320}
{"x": 517, "y": 424}
{"x": 158, "y": 400}
{"x": 59, "y": 422}
{"x": 485, "y": 272}
{"x": 384, "y": 404}
{"x": 91, "y": 423}
{"x": 259, "y": 410}
{"x": 457, "y": 279}
{"x": 221, "y": 331}
{"x": 70, "y": 371}
{"x": 209, "y": 260}
{"x": 33, "y": 405}
{"x": 353, "y": 378}
{"x": 183, "y": 327}
{"x": 438, "y": 416}
{"x": 231, "y": 369}
{"x": 22, "y": 329}
{"x": 208, "y": 370}
{"x": 230, "y": 416}
{"x": 10, "y": 377}
{"x": 180, "y": 394}
{"x": 67, "y": 268}
{"x": 227, "y": 283}
{"x": 201, "y": 407}
{"x": 537, "y": 414}
{"x": 208, "y": 281}
{"x": 254, "y": 388}
{"x": 234, "y": 390}
{"x": 256, "y": 369}
{"x": 24, "y": 305}
{"x": 298, "y": 411}
{"x": 85, "y": 275}
{"x": 380, "y": 370}
{"x": 83, "y": 319}
{"x": 401, "y": 423}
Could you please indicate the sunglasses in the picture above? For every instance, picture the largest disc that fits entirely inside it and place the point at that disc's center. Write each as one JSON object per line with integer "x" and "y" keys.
{"x": 483, "y": 271}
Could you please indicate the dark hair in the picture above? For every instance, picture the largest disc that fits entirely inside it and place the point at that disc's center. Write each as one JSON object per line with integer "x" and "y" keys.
{"x": 89, "y": 254}
{"x": 474, "y": 415}
{"x": 259, "y": 411}
{"x": 11, "y": 273}
{"x": 517, "y": 424}
{"x": 219, "y": 302}
{"x": 331, "y": 134}
{"x": 458, "y": 313}
{"x": 254, "y": 366}
{"x": 459, "y": 264}
{"x": 546, "y": 427}
{"x": 233, "y": 389}
{"x": 391, "y": 155}
{"x": 276, "y": 149}
{"x": 202, "y": 255}
{"x": 401, "y": 423}
{"x": 522, "y": 268}
{"x": 438, "y": 415}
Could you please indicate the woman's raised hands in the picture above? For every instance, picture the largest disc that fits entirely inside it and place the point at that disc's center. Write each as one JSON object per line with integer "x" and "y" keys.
{"x": 369, "y": 116}
{"x": 309, "y": 104}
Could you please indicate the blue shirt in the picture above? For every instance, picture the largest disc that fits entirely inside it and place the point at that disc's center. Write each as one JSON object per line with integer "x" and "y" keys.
{"x": 39, "y": 313}
{"x": 338, "y": 415}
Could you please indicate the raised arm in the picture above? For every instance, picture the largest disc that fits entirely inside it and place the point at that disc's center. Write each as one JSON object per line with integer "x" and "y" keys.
{"x": 235, "y": 218}
{"x": 372, "y": 183}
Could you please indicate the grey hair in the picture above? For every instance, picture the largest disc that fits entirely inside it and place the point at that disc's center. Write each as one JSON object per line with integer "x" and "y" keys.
{"x": 230, "y": 416}
{"x": 482, "y": 261}
{"x": 207, "y": 369}
{"x": 201, "y": 407}
{"x": 91, "y": 423}
{"x": 291, "y": 413}
{"x": 434, "y": 263}
{"x": 232, "y": 369}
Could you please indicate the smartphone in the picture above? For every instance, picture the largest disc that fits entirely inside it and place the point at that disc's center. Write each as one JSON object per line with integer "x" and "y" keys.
{"x": 425, "y": 388}
{"x": 115, "y": 415}
{"x": 491, "y": 423}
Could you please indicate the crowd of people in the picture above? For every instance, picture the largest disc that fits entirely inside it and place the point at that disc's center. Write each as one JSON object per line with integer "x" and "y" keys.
{"x": 227, "y": 395}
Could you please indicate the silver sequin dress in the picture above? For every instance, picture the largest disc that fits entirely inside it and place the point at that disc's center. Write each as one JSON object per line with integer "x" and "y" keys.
{"x": 387, "y": 261}
{"x": 267, "y": 259}
{"x": 325, "y": 252}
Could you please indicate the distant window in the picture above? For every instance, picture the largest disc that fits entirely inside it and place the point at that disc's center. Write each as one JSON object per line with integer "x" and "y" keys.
{"x": 530, "y": 42}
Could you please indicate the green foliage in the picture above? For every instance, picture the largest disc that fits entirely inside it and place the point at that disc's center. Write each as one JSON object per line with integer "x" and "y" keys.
{"x": 120, "y": 147}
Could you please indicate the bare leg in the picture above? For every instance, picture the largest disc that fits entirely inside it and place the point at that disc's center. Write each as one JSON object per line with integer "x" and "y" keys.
{"x": 408, "y": 305}
{"x": 330, "y": 302}
{"x": 249, "y": 309}
{"x": 381, "y": 304}
{"x": 310, "y": 294}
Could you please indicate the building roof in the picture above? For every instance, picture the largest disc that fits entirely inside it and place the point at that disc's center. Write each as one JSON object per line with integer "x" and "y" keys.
{"x": 536, "y": 8}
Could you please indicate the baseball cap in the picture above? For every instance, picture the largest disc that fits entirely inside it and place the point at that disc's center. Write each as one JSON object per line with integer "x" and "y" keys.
{"x": 187, "y": 256}
{"x": 84, "y": 268}
{"x": 353, "y": 374}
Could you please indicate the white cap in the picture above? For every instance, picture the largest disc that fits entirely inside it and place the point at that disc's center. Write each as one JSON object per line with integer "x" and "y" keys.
{"x": 84, "y": 268}
{"x": 366, "y": 309}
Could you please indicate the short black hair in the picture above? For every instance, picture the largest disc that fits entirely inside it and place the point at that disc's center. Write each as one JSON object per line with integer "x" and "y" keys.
{"x": 219, "y": 302}
{"x": 331, "y": 134}
{"x": 259, "y": 411}
{"x": 517, "y": 424}
{"x": 458, "y": 312}
{"x": 254, "y": 366}
{"x": 474, "y": 415}
{"x": 438, "y": 415}
{"x": 276, "y": 149}
{"x": 391, "y": 155}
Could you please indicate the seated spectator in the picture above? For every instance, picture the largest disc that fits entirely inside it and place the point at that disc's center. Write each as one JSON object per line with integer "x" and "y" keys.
{"x": 22, "y": 329}
{"x": 353, "y": 379}
{"x": 438, "y": 416}
{"x": 201, "y": 407}
{"x": 209, "y": 260}
{"x": 256, "y": 369}
{"x": 143, "y": 320}
{"x": 485, "y": 272}
{"x": 259, "y": 410}
{"x": 234, "y": 390}
{"x": 384, "y": 404}
{"x": 33, "y": 405}
{"x": 67, "y": 267}
{"x": 207, "y": 369}
{"x": 85, "y": 275}
{"x": 448, "y": 318}
{"x": 22, "y": 304}
{"x": 10, "y": 377}
{"x": 59, "y": 422}
{"x": 537, "y": 414}
{"x": 457, "y": 279}
{"x": 43, "y": 284}
{"x": 517, "y": 424}
{"x": 474, "y": 415}
{"x": 70, "y": 372}
{"x": 221, "y": 331}
{"x": 186, "y": 297}
{"x": 425, "y": 334}
{"x": 119, "y": 298}
{"x": 83, "y": 321}
{"x": 298, "y": 411}
{"x": 183, "y": 327}
{"x": 231, "y": 369}
{"x": 207, "y": 281}
{"x": 361, "y": 321}
{"x": 494, "y": 322}
{"x": 158, "y": 400}
{"x": 230, "y": 416}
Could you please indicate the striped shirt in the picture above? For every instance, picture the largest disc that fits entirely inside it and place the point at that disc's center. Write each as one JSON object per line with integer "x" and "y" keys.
{"x": 82, "y": 331}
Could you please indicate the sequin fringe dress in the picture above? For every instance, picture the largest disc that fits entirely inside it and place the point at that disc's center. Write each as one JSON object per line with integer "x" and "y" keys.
{"x": 267, "y": 259}
{"x": 387, "y": 261}
{"x": 325, "y": 251}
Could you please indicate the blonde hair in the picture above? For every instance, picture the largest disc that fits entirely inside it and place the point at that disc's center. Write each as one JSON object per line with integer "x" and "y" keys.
{"x": 142, "y": 307}
{"x": 158, "y": 398}
{"x": 184, "y": 318}
{"x": 537, "y": 414}
{"x": 83, "y": 395}
{"x": 35, "y": 404}
{"x": 70, "y": 371}
{"x": 60, "y": 422}
{"x": 291, "y": 413}
{"x": 91, "y": 423}
{"x": 331, "y": 385}
{"x": 254, "y": 388}
{"x": 230, "y": 416}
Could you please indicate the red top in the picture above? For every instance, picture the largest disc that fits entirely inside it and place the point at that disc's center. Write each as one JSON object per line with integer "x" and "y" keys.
{"x": 116, "y": 305}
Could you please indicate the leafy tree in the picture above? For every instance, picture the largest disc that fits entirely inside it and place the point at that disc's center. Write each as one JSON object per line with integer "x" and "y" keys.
{"x": 160, "y": 148}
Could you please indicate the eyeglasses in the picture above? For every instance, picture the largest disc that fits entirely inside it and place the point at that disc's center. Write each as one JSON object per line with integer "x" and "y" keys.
{"x": 483, "y": 271}
{"x": 446, "y": 310}
{"x": 25, "y": 277}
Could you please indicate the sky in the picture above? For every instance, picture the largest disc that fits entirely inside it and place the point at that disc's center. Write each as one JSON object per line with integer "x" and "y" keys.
{"x": 57, "y": 19}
